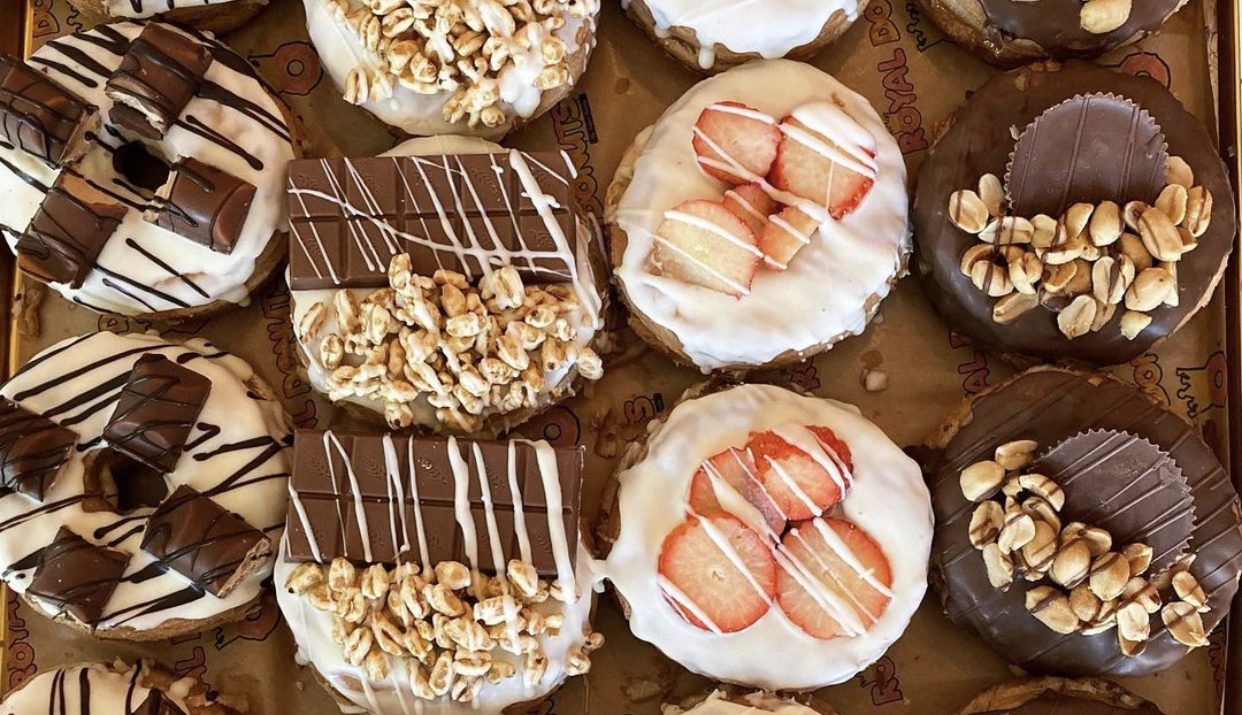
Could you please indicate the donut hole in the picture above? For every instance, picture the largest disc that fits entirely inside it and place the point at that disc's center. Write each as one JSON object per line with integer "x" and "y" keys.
{"x": 124, "y": 483}
{"x": 141, "y": 168}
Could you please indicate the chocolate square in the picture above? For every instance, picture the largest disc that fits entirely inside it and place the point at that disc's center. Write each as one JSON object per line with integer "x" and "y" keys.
{"x": 66, "y": 235}
{"x": 39, "y": 116}
{"x": 77, "y": 577}
{"x": 204, "y": 204}
{"x": 212, "y": 547}
{"x": 33, "y": 450}
{"x": 156, "y": 411}
{"x": 157, "y": 78}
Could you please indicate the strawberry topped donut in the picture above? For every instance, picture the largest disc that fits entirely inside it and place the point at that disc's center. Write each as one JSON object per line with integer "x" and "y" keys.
{"x": 796, "y": 553}
{"x": 771, "y": 197}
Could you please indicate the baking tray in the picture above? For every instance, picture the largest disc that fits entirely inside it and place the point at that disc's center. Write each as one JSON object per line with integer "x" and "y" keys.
{"x": 915, "y": 78}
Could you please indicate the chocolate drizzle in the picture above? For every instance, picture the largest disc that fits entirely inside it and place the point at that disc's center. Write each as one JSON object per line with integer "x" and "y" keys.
{"x": 76, "y": 577}
{"x": 204, "y": 204}
{"x": 66, "y": 235}
{"x": 33, "y": 449}
{"x": 157, "y": 78}
{"x": 157, "y": 409}
{"x": 39, "y": 116}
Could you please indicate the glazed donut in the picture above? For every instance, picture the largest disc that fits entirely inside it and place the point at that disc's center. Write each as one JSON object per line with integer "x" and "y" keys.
{"x": 113, "y": 689}
{"x": 719, "y": 702}
{"x": 406, "y": 82}
{"x": 144, "y": 484}
{"x": 733, "y": 522}
{"x": 713, "y": 37}
{"x": 436, "y": 576}
{"x": 699, "y": 239}
{"x": 142, "y": 170}
{"x": 1045, "y": 696}
{"x": 401, "y": 396}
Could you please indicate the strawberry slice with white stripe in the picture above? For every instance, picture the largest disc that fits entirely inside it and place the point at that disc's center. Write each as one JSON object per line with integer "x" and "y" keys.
{"x": 805, "y": 470}
{"x": 735, "y": 143}
{"x": 825, "y": 157}
{"x": 752, "y": 204}
{"x": 702, "y": 243}
{"x": 717, "y": 573}
{"x": 727, "y": 482}
{"x": 784, "y": 235}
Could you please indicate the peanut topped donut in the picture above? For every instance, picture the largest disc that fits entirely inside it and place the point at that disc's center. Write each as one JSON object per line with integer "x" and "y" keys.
{"x": 112, "y": 689}
{"x": 144, "y": 484}
{"x": 768, "y": 539}
{"x": 770, "y": 199}
{"x": 142, "y": 170}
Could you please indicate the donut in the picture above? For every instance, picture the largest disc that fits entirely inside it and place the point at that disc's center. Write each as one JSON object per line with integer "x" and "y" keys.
{"x": 113, "y": 689}
{"x": 478, "y": 362}
{"x": 701, "y": 239}
{"x": 1013, "y": 32}
{"x": 768, "y": 539}
{"x": 142, "y": 170}
{"x": 1135, "y": 543}
{"x": 713, "y": 37}
{"x": 1043, "y": 145}
{"x": 206, "y": 15}
{"x": 143, "y": 486}
{"x": 519, "y": 61}
{"x": 436, "y": 575}
{"x": 721, "y": 702}
{"x": 1045, "y": 696}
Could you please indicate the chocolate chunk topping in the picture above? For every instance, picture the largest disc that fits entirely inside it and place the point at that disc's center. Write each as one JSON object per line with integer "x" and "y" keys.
{"x": 376, "y": 498}
{"x": 76, "y": 577}
{"x": 66, "y": 235}
{"x": 156, "y": 411}
{"x": 204, "y": 204}
{"x": 39, "y": 116}
{"x": 201, "y": 540}
{"x": 459, "y": 212}
{"x": 33, "y": 449}
{"x": 1090, "y": 148}
{"x": 158, "y": 76}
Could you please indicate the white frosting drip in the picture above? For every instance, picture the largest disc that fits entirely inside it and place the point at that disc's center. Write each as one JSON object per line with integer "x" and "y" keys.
{"x": 147, "y": 286}
{"x": 340, "y": 51}
{"x": 107, "y": 691}
{"x": 750, "y": 704}
{"x": 150, "y": 8}
{"x": 887, "y": 499}
{"x": 825, "y": 291}
{"x": 208, "y": 461}
{"x": 769, "y": 28}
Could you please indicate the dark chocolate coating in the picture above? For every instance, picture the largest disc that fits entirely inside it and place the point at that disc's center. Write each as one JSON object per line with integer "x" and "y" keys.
{"x": 206, "y": 205}
{"x": 203, "y": 541}
{"x": 979, "y": 142}
{"x": 1056, "y": 27}
{"x": 161, "y": 73}
{"x": 33, "y": 449}
{"x": 156, "y": 411}
{"x": 37, "y": 115}
{"x": 76, "y": 577}
{"x": 1049, "y": 405}
{"x": 65, "y": 236}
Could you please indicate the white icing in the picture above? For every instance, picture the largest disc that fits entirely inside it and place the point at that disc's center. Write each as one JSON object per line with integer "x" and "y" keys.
{"x": 107, "y": 691}
{"x": 824, "y": 293}
{"x": 340, "y": 51}
{"x": 750, "y": 704}
{"x": 258, "y": 496}
{"x": 887, "y": 499}
{"x": 150, "y": 8}
{"x": 151, "y": 287}
{"x": 585, "y": 321}
{"x": 769, "y": 28}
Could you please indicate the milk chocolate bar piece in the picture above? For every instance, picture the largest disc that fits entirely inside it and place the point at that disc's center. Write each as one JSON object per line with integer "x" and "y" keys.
{"x": 66, "y": 235}
{"x": 40, "y": 117}
{"x": 459, "y": 212}
{"x": 77, "y": 577}
{"x": 201, "y": 540}
{"x": 158, "y": 76}
{"x": 33, "y": 450}
{"x": 377, "y": 522}
{"x": 156, "y": 411}
{"x": 204, "y": 204}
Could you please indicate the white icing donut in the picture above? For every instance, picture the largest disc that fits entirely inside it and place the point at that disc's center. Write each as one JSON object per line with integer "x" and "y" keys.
{"x": 238, "y": 447}
{"x": 139, "y": 9}
{"x": 586, "y": 322}
{"x": 342, "y": 53}
{"x": 833, "y": 286}
{"x": 749, "y": 704}
{"x": 770, "y": 28}
{"x": 887, "y": 499}
{"x": 144, "y": 268}
{"x": 95, "y": 689}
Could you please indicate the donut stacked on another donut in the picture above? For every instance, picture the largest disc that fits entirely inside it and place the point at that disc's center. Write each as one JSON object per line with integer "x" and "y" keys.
{"x": 771, "y": 198}
{"x": 144, "y": 484}
{"x": 142, "y": 170}
{"x": 768, "y": 539}
{"x": 115, "y": 689}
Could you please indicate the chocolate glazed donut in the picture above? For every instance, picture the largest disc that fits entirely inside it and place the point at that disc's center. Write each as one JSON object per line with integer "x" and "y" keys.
{"x": 979, "y": 141}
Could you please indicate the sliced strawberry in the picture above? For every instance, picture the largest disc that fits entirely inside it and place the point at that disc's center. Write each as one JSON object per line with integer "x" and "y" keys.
{"x": 802, "y": 168}
{"x": 821, "y": 589}
{"x": 735, "y": 143}
{"x": 752, "y": 204}
{"x": 707, "y": 588}
{"x": 835, "y": 447}
{"x": 737, "y": 470}
{"x": 705, "y": 244}
{"x": 784, "y": 235}
{"x": 801, "y": 485}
